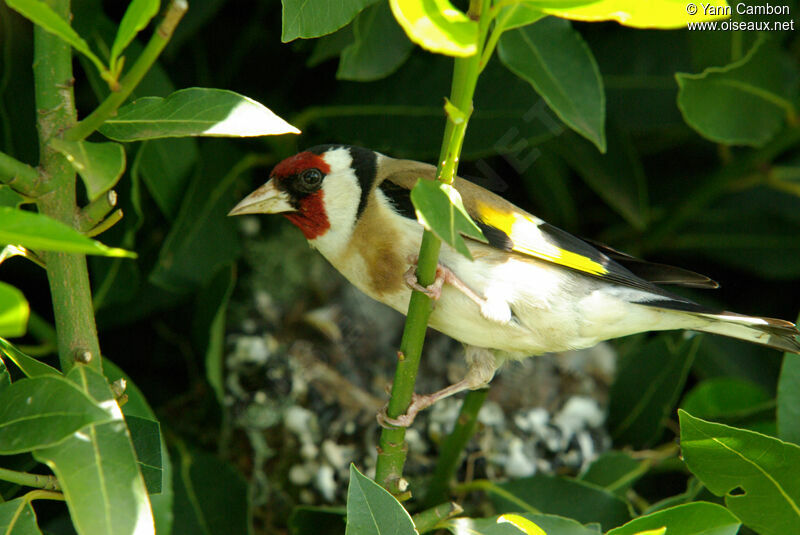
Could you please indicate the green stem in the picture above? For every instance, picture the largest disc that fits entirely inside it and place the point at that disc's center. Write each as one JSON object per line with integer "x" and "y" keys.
{"x": 20, "y": 176}
{"x": 93, "y": 213}
{"x": 24, "y": 479}
{"x": 66, "y": 272}
{"x": 453, "y": 446}
{"x": 392, "y": 448}
{"x": 430, "y": 518}
{"x": 487, "y": 486}
{"x": 107, "y": 108}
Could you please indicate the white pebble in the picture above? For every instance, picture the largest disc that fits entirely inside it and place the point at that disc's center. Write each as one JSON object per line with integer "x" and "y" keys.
{"x": 325, "y": 482}
{"x": 517, "y": 463}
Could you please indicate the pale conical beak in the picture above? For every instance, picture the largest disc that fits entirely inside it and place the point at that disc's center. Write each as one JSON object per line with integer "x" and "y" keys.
{"x": 265, "y": 200}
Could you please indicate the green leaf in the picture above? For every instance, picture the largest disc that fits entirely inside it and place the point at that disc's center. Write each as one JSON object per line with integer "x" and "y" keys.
{"x": 758, "y": 475}
{"x": 43, "y": 411}
{"x": 615, "y": 471}
{"x": 516, "y": 16}
{"x": 698, "y": 518}
{"x": 203, "y": 238}
{"x": 28, "y": 365}
{"x": 436, "y": 25}
{"x": 100, "y": 165}
{"x": 439, "y": 208}
{"x": 754, "y": 86}
{"x": 14, "y": 311}
{"x": 166, "y": 176}
{"x": 372, "y": 510}
{"x": 197, "y": 111}
{"x": 649, "y": 381}
{"x": 138, "y": 407}
{"x": 724, "y": 397}
{"x": 312, "y": 18}
{"x": 39, "y": 232}
{"x": 652, "y": 14}
{"x": 789, "y": 399}
{"x": 136, "y": 18}
{"x": 146, "y": 438}
{"x": 209, "y": 325}
{"x": 380, "y": 46}
{"x": 556, "y": 61}
{"x": 97, "y": 470}
{"x": 5, "y": 377}
{"x": 330, "y": 46}
{"x": 561, "y": 496}
{"x": 43, "y": 15}
{"x": 9, "y": 197}
{"x": 550, "y": 524}
{"x": 210, "y": 496}
{"x": 24, "y": 521}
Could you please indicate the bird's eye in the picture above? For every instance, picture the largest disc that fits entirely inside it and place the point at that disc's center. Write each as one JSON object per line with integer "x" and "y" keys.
{"x": 310, "y": 179}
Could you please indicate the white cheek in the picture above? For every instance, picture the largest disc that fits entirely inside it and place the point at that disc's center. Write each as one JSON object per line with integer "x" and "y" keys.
{"x": 341, "y": 195}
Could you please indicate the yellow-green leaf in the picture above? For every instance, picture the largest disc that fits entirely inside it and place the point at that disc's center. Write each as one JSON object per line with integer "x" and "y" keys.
{"x": 521, "y": 523}
{"x": 438, "y": 26}
{"x": 14, "y": 311}
{"x": 100, "y": 165}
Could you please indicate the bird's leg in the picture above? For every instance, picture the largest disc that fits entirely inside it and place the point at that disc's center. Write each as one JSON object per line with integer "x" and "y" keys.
{"x": 481, "y": 367}
{"x": 443, "y": 275}
{"x": 496, "y": 310}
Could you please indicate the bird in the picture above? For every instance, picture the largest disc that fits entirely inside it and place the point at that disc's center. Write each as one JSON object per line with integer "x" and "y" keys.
{"x": 529, "y": 289}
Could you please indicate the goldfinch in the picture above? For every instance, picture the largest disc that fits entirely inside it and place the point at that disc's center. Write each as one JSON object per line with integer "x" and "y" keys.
{"x": 530, "y": 289}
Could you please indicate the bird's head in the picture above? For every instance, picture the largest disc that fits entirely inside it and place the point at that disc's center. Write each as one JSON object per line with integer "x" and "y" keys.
{"x": 321, "y": 190}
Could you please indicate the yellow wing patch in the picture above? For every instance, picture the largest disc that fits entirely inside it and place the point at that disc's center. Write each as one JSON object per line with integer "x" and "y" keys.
{"x": 528, "y": 239}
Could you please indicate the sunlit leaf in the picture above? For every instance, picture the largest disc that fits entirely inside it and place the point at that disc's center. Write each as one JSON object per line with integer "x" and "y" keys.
{"x": 437, "y": 25}
{"x": 14, "y": 311}
{"x": 196, "y": 111}
{"x": 759, "y": 476}
{"x": 39, "y": 232}
{"x": 28, "y": 365}
{"x": 100, "y": 165}
{"x": 439, "y": 208}
{"x": 697, "y": 518}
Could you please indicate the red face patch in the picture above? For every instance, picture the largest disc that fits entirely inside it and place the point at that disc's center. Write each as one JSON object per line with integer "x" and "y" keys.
{"x": 311, "y": 218}
{"x": 298, "y": 163}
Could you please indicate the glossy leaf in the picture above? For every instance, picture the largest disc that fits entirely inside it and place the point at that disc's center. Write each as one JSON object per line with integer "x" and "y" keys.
{"x": 210, "y": 496}
{"x": 649, "y": 381}
{"x": 43, "y": 411}
{"x": 39, "y": 232}
{"x": 9, "y": 197}
{"x": 439, "y": 208}
{"x": 550, "y": 524}
{"x": 196, "y": 111}
{"x": 136, "y": 18}
{"x": 313, "y": 18}
{"x": 724, "y": 397}
{"x": 378, "y": 49}
{"x": 555, "y": 60}
{"x": 615, "y": 471}
{"x": 754, "y": 86}
{"x": 758, "y": 475}
{"x": 97, "y": 470}
{"x": 697, "y": 518}
{"x": 436, "y": 25}
{"x": 28, "y": 365}
{"x": 371, "y": 510}
{"x": 14, "y": 311}
{"x": 517, "y": 15}
{"x": 526, "y": 526}
{"x": 789, "y": 399}
{"x": 146, "y": 438}
{"x": 100, "y": 165}
{"x": 652, "y": 14}
{"x": 561, "y": 496}
{"x": 5, "y": 377}
{"x": 41, "y": 14}
{"x": 16, "y": 522}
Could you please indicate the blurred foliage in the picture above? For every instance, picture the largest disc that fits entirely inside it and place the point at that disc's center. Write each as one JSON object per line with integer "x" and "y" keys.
{"x": 700, "y": 167}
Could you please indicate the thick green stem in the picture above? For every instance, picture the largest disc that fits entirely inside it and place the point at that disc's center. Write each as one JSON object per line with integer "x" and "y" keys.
{"x": 24, "y": 479}
{"x": 20, "y": 176}
{"x": 392, "y": 448}
{"x": 450, "y": 452}
{"x": 107, "y": 108}
{"x": 66, "y": 272}
{"x": 430, "y": 518}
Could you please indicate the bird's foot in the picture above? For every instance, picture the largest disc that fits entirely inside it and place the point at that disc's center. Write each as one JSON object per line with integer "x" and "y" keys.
{"x": 418, "y": 403}
{"x": 434, "y": 291}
